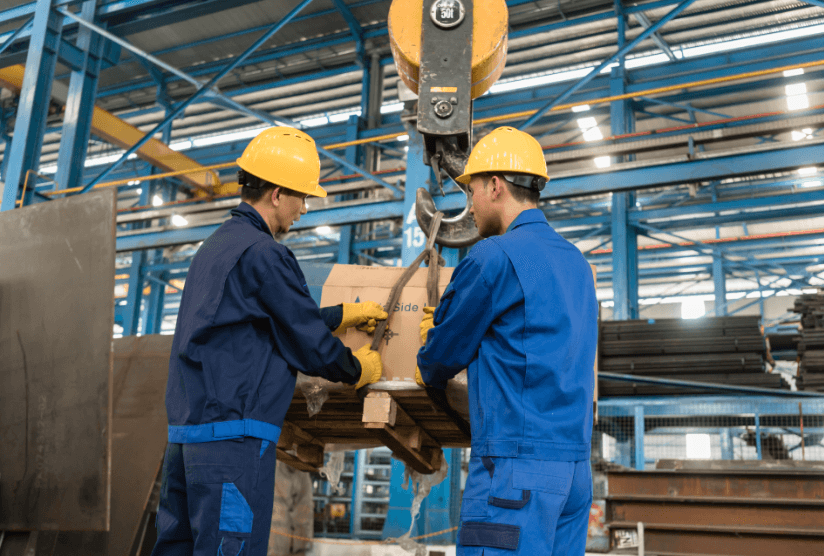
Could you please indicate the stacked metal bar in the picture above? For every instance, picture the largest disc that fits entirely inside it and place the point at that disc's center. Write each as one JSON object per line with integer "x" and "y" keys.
{"x": 811, "y": 345}
{"x": 720, "y": 350}
{"x": 705, "y": 507}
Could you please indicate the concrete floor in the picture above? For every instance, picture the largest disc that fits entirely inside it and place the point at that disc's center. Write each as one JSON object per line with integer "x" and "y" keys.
{"x": 356, "y": 548}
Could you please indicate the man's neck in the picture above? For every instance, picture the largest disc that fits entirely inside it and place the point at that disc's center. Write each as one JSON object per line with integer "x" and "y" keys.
{"x": 511, "y": 213}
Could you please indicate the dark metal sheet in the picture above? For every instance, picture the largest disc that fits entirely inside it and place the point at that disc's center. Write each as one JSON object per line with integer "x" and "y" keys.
{"x": 141, "y": 367}
{"x": 56, "y": 320}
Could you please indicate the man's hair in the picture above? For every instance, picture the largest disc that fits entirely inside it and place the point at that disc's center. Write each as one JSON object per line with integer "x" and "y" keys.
{"x": 520, "y": 194}
{"x": 255, "y": 188}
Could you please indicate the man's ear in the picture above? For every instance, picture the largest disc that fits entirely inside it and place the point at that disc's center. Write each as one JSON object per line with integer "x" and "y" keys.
{"x": 275, "y": 197}
{"x": 497, "y": 187}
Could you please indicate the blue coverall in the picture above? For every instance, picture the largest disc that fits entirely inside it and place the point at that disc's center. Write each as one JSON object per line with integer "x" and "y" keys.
{"x": 520, "y": 315}
{"x": 245, "y": 327}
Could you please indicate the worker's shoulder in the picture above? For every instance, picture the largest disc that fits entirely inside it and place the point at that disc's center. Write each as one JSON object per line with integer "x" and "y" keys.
{"x": 488, "y": 259}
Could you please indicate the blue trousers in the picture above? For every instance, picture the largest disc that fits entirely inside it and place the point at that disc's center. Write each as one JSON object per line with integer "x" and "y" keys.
{"x": 519, "y": 506}
{"x": 216, "y": 498}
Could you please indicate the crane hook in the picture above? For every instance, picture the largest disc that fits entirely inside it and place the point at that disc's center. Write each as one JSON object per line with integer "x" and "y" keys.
{"x": 456, "y": 231}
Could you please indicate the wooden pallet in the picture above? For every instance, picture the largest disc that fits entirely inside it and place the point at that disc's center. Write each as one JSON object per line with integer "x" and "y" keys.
{"x": 399, "y": 416}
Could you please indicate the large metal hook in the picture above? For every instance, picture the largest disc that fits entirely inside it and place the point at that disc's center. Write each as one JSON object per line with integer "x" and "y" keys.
{"x": 456, "y": 231}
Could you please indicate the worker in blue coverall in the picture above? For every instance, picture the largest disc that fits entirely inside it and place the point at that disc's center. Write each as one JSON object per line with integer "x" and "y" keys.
{"x": 520, "y": 315}
{"x": 246, "y": 326}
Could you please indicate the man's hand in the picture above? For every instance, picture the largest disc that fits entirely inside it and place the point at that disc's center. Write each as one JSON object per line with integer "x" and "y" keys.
{"x": 427, "y": 322}
{"x": 371, "y": 366}
{"x": 366, "y": 314}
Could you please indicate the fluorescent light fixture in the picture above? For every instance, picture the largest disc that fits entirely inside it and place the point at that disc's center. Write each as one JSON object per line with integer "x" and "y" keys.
{"x": 798, "y": 135}
{"x": 794, "y": 72}
{"x": 798, "y": 102}
{"x": 178, "y": 220}
{"x": 131, "y": 156}
{"x": 593, "y": 134}
{"x": 323, "y": 230}
{"x": 157, "y": 201}
{"x": 343, "y": 116}
{"x": 391, "y": 107}
{"x": 580, "y": 108}
{"x": 602, "y": 161}
{"x": 692, "y": 308}
{"x": 134, "y": 182}
{"x": 698, "y": 446}
{"x": 402, "y": 138}
{"x": 808, "y": 171}
{"x": 814, "y": 183}
{"x": 228, "y": 137}
{"x": 807, "y": 130}
{"x": 180, "y": 145}
{"x": 48, "y": 169}
{"x": 586, "y": 123}
{"x": 539, "y": 80}
{"x": 796, "y": 89}
{"x": 314, "y": 122}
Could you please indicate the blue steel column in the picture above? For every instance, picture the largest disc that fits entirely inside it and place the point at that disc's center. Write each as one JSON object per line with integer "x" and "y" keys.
{"x": 639, "y": 438}
{"x": 726, "y": 444}
{"x": 77, "y": 121}
{"x": 624, "y": 235}
{"x": 34, "y": 100}
{"x": 346, "y": 232}
{"x": 417, "y": 175}
{"x": 720, "y": 283}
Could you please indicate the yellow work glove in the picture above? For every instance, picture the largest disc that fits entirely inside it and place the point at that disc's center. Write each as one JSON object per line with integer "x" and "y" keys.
{"x": 371, "y": 366}
{"x": 418, "y": 378}
{"x": 367, "y": 314}
{"x": 427, "y": 322}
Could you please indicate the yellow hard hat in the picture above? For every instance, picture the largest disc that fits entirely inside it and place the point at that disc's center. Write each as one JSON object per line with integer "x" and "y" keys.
{"x": 507, "y": 150}
{"x": 284, "y": 156}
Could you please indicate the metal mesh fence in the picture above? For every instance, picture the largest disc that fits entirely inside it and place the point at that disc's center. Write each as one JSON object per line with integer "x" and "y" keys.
{"x": 640, "y": 433}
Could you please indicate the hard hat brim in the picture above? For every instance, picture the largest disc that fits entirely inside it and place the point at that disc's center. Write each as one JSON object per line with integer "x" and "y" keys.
{"x": 464, "y": 179}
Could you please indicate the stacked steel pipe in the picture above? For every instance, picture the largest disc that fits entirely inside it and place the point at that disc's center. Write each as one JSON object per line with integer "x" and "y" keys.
{"x": 811, "y": 345}
{"x": 719, "y": 350}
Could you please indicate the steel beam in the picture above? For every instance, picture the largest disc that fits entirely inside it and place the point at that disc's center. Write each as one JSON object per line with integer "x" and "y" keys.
{"x": 621, "y": 52}
{"x": 77, "y": 119}
{"x": 34, "y": 101}
{"x": 206, "y": 87}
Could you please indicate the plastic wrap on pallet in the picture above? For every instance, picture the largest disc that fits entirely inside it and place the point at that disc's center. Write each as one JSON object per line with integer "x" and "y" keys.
{"x": 332, "y": 470}
{"x": 421, "y": 485}
{"x": 457, "y": 393}
{"x": 316, "y": 391}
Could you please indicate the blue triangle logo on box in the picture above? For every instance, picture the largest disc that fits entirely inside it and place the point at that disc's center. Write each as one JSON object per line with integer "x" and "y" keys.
{"x": 357, "y": 299}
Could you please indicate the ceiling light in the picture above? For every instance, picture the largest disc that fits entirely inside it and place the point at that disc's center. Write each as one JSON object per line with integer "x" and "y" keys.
{"x": 798, "y": 135}
{"x": 809, "y": 171}
{"x": 798, "y": 102}
{"x": 808, "y": 130}
{"x": 178, "y": 220}
{"x": 580, "y": 108}
{"x": 586, "y": 123}
{"x": 796, "y": 89}
{"x": 815, "y": 183}
{"x": 323, "y": 230}
{"x": 403, "y": 138}
{"x": 602, "y": 161}
{"x": 692, "y": 308}
{"x": 157, "y": 201}
{"x": 794, "y": 72}
{"x": 593, "y": 134}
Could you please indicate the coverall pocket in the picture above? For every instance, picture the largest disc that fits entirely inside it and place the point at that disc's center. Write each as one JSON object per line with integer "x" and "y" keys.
{"x": 232, "y": 546}
{"x": 544, "y": 476}
{"x": 209, "y": 473}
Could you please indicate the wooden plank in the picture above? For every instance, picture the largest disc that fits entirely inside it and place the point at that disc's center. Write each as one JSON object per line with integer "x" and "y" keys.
{"x": 56, "y": 321}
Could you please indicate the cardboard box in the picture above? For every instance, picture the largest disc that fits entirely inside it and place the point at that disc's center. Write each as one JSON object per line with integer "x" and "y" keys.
{"x": 399, "y": 349}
